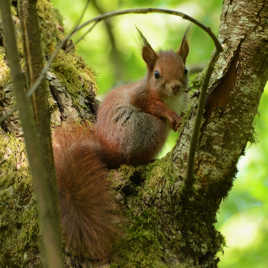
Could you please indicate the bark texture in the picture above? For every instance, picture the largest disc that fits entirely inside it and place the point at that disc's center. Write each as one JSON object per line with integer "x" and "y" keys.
{"x": 162, "y": 228}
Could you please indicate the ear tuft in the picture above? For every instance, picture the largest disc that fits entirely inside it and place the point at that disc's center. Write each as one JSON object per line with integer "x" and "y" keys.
{"x": 148, "y": 54}
{"x": 184, "y": 47}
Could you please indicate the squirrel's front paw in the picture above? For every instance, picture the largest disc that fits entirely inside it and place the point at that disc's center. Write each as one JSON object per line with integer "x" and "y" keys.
{"x": 174, "y": 120}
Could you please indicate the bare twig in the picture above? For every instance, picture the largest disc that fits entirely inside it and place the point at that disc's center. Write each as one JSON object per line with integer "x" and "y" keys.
{"x": 153, "y": 10}
{"x": 189, "y": 180}
{"x": 82, "y": 37}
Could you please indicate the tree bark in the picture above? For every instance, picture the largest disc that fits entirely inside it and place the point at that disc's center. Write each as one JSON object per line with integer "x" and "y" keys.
{"x": 163, "y": 227}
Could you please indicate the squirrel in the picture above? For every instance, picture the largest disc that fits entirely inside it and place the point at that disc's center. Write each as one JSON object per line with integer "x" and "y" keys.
{"x": 132, "y": 125}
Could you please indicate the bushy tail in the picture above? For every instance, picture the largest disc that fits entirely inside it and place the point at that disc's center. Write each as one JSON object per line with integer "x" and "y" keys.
{"x": 87, "y": 208}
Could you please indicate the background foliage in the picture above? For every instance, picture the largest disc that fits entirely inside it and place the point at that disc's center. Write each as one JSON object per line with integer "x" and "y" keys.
{"x": 243, "y": 217}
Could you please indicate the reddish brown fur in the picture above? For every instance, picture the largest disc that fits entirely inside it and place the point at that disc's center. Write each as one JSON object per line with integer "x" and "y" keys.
{"x": 86, "y": 204}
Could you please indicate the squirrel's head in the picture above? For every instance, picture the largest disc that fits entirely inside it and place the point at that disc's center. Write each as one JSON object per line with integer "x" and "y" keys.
{"x": 167, "y": 74}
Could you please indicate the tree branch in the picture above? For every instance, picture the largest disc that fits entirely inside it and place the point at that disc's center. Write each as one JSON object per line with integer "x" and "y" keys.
{"x": 154, "y": 10}
{"x": 189, "y": 180}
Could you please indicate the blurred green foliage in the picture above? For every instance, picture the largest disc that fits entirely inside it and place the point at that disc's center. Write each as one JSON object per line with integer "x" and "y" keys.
{"x": 243, "y": 217}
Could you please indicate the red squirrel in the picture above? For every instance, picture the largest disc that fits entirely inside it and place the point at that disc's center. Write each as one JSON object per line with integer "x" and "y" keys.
{"x": 132, "y": 125}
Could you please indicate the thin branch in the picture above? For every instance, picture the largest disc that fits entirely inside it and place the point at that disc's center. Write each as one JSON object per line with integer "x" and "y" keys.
{"x": 82, "y": 14}
{"x": 82, "y": 37}
{"x": 153, "y": 10}
{"x": 189, "y": 180}
{"x": 48, "y": 194}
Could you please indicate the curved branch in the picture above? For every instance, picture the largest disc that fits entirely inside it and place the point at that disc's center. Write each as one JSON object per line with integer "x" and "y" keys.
{"x": 154, "y": 10}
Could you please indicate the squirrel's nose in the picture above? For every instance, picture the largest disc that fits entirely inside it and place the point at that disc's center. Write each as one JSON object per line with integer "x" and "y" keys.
{"x": 176, "y": 89}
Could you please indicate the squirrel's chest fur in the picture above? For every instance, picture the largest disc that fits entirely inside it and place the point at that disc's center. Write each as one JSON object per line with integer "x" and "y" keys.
{"x": 125, "y": 132}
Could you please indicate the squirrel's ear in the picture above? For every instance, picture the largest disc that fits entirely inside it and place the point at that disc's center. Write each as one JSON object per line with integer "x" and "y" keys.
{"x": 148, "y": 54}
{"x": 184, "y": 47}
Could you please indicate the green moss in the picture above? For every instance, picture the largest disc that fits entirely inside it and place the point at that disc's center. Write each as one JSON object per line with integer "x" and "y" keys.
{"x": 18, "y": 217}
{"x": 74, "y": 74}
{"x": 145, "y": 238}
{"x": 159, "y": 233}
{"x": 50, "y": 24}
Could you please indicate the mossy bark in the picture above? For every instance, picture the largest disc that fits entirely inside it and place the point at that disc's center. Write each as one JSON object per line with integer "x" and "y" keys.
{"x": 161, "y": 229}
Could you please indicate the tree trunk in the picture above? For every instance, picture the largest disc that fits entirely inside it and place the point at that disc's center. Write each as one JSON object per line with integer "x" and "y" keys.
{"x": 163, "y": 227}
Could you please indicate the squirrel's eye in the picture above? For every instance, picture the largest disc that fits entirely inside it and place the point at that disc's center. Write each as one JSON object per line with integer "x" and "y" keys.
{"x": 156, "y": 74}
{"x": 185, "y": 71}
